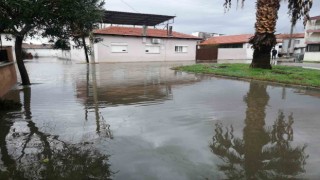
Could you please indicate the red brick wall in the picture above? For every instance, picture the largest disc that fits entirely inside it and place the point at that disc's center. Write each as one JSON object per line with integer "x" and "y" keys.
{"x": 8, "y": 76}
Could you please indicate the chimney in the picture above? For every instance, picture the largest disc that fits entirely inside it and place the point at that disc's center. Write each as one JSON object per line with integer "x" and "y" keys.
{"x": 170, "y": 31}
{"x": 144, "y": 30}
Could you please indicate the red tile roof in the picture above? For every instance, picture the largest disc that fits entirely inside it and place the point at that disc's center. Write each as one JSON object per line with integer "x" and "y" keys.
{"x": 315, "y": 18}
{"x": 232, "y": 39}
{"x": 244, "y": 38}
{"x": 137, "y": 32}
{"x": 287, "y": 36}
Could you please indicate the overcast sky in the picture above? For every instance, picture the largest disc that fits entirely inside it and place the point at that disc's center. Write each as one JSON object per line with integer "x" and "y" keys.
{"x": 207, "y": 15}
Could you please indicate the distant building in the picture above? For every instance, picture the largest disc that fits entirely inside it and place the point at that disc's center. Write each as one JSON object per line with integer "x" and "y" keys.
{"x": 312, "y": 38}
{"x": 40, "y": 50}
{"x": 205, "y": 35}
{"x": 297, "y": 46}
{"x": 236, "y": 48}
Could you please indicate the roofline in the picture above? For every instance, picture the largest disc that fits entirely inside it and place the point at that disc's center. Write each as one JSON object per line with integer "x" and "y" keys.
{"x": 163, "y": 18}
{"x": 168, "y": 37}
{"x": 315, "y": 18}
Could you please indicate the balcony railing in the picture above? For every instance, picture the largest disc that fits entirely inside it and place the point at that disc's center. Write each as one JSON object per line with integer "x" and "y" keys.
{"x": 317, "y": 27}
{"x": 313, "y": 40}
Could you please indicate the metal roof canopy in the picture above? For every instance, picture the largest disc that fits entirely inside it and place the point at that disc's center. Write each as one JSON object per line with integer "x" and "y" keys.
{"x": 129, "y": 18}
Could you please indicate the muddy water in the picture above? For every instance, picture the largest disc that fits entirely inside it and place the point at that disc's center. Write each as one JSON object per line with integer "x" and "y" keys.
{"x": 145, "y": 121}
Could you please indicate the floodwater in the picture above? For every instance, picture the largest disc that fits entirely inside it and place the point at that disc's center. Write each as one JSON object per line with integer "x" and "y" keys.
{"x": 145, "y": 121}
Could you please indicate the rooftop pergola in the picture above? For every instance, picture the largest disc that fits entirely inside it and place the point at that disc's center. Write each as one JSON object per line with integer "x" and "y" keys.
{"x": 139, "y": 19}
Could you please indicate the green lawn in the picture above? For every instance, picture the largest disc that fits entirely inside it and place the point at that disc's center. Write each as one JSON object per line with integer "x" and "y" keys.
{"x": 279, "y": 74}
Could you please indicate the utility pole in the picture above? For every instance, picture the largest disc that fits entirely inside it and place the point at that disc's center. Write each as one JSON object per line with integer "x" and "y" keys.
{"x": 290, "y": 40}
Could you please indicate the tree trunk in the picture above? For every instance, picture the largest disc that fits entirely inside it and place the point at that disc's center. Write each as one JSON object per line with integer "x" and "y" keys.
{"x": 85, "y": 48}
{"x": 261, "y": 58}
{"x": 264, "y": 38}
{"x": 22, "y": 69}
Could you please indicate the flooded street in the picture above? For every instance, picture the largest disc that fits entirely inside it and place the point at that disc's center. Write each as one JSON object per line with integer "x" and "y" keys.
{"x": 145, "y": 121}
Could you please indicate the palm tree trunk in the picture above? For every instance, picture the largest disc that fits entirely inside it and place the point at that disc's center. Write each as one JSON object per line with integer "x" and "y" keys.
{"x": 261, "y": 58}
{"x": 22, "y": 69}
{"x": 264, "y": 38}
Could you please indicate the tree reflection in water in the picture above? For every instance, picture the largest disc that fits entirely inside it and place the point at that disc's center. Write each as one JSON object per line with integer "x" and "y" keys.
{"x": 264, "y": 152}
{"x": 29, "y": 153}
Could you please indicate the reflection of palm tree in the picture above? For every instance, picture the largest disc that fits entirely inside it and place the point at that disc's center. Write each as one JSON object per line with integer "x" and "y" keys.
{"x": 44, "y": 156}
{"x": 263, "y": 153}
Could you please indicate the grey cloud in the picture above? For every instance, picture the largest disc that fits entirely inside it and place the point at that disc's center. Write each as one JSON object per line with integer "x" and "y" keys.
{"x": 207, "y": 15}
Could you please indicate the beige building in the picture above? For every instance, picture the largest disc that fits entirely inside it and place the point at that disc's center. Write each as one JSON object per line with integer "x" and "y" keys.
{"x": 312, "y": 38}
{"x": 132, "y": 44}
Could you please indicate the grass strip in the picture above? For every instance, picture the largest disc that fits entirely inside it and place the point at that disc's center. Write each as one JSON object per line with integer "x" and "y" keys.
{"x": 278, "y": 74}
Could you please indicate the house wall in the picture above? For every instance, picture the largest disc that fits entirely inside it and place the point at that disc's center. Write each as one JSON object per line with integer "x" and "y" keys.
{"x": 11, "y": 42}
{"x": 78, "y": 54}
{"x": 8, "y": 76}
{"x": 295, "y": 48}
{"x": 312, "y": 56}
{"x": 136, "y": 51}
{"x": 244, "y": 53}
{"x": 312, "y": 37}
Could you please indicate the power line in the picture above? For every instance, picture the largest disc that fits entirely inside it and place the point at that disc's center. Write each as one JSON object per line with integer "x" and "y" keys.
{"x": 129, "y": 6}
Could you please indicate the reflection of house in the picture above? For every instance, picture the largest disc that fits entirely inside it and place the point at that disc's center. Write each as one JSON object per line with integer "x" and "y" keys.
{"x": 130, "y": 83}
{"x": 130, "y": 44}
{"x": 312, "y": 38}
{"x": 236, "y": 48}
{"x": 40, "y": 50}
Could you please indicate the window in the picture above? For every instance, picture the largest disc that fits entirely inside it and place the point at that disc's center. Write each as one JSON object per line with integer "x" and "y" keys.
{"x": 313, "y": 48}
{"x": 296, "y": 41}
{"x": 231, "y": 46}
{"x": 150, "y": 49}
{"x": 119, "y": 47}
{"x": 3, "y": 56}
{"x": 181, "y": 49}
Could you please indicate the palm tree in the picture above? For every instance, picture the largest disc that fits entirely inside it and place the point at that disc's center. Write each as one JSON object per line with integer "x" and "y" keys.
{"x": 265, "y": 27}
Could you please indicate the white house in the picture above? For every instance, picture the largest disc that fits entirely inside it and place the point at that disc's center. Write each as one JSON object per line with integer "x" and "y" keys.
{"x": 312, "y": 38}
{"x": 297, "y": 46}
{"x": 132, "y": 44}
{"x": 236, "y": 48}
{"x": 232, "y": 48}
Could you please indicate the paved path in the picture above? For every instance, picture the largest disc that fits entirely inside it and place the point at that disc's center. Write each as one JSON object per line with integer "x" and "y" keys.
{"x": 305, "y": 65}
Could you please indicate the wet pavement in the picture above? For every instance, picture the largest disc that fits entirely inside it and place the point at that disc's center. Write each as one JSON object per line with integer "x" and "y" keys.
{"x": 145, "y": 121}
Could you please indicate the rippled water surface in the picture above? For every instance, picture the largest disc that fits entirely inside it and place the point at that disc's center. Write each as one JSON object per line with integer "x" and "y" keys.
{"x": 145, "y": 121}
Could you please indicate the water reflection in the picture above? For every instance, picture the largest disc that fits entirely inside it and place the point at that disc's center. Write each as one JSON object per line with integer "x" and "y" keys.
{"x": 103, "y": 128}
{"x": 130, "y": 84}
{"x": 29, "y": 153}
{"x": 264, "y": 152}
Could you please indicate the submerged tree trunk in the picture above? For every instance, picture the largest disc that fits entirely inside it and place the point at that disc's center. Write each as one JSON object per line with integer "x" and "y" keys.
{"x": 22, "y": 69}
{"x": 85, "y": 48}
